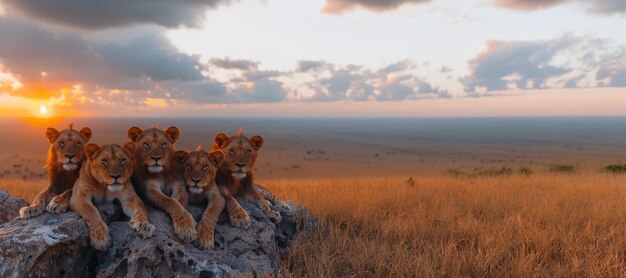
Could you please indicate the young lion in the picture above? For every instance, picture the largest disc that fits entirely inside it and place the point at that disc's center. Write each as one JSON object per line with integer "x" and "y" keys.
{"x": 156, "y": 179}
{"x": 105, "y": 177}
{"x": 199, "y": 169}
{"x": 234, "y": 178}
{"x": 64, "y": 159}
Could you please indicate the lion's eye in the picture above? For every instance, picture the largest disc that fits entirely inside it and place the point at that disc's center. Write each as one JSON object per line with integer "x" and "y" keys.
{"x": 77, "y": 144}
{"x": 248, "y": 152}
{"x": 123, "y": 162}
{"x": 147, "y": 145}
{"x": 231, "y": 152}
{"x": 188, "y": 166}
{"x": 205, "y": 167}
{"x": 62, "y": 144}
{"x": 164, "y": 146}
{"x": 105, "y": 163}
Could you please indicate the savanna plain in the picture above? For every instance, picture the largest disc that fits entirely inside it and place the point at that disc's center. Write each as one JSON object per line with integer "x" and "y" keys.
{"x": 488, "y": 197}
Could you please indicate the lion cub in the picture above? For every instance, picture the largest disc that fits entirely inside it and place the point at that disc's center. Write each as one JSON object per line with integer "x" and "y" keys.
{"x": 199, "y": 169}
{"x": 105, "y": 177}
{"x": 64, "y": 159}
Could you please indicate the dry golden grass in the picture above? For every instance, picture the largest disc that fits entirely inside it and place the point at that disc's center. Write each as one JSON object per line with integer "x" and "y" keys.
{"x": 546, "y": 225}
{"x": 556, "y": 225}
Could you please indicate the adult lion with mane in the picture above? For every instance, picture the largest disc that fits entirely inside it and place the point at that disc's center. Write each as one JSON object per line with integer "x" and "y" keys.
{"x": 156, "y": 178}
{"x": 65, "y": 156}
{"x": 105, "y": 177}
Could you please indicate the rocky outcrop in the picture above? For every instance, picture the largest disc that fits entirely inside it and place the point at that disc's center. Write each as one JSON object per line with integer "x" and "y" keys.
{"x": 9, "y": 206}
{"x": 58, "y": 246}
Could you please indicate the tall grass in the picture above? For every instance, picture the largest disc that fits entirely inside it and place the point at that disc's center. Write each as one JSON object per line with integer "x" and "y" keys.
{"x": 547, "y": 225}
{"x": 543, "y": 225}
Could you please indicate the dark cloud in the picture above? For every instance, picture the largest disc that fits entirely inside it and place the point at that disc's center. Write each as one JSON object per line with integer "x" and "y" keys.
{"x": 308, "y": 65}
{"x": 595, "y": 6}
{"x": 526, "y": 64}
{"x": 227, "y": 63}
{"x": 106, "y": 14}
{"x": 341, "y": 6}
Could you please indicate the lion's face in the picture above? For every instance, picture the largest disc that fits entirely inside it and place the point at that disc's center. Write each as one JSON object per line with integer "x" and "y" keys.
{"x": 240, "y": 153}
{"x": 67, "y": 146}
{"x": 112, "y": 164}
{"x": 154, "y": 146}
{"x": 200, "y": 168}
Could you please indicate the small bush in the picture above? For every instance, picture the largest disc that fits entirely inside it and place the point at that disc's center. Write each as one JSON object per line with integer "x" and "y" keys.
{"x": 524, "y": 171}
{"x": 504, "y": 171}
{"x": 562, "y": 168}
{"x": 616, "y": 168}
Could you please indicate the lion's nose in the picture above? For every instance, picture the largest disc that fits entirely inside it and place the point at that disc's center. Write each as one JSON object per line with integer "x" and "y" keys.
{"x": 116, "y": 176}
{"x": 240, "y": 164}
{"x": 156, "y": 157}
{"x": 195, "y": 181}
{"x": 70, "y": 156}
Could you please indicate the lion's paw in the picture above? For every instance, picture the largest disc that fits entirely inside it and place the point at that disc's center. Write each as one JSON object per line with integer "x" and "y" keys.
{"x": 100, "y": 238}
{"x": 272, "y": 214}
{"x": 30, "y": 211}
{"x": 285, "y": 207}
{"x": 57, "y": 207}
{"x": 144, "y": 229}
{"x": 240, "y": 219}
{"x": 206, "y": 239}
{"x": 185, "y": 226}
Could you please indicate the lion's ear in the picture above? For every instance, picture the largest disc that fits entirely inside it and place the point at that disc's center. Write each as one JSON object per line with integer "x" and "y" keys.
{"x": 52, "y": 134}
{"x": 180, "y": 156}
{"x": 172, "y": 133}
{"x": 91, "y": 149}
{"x": 256, "y": 141}
{"x": 134, "y": 133}
{"x": 85, "y": 132}
{"x": 130, "y": 147}
{"x": 217, "y": 158}
{"x": 221, "y": 140}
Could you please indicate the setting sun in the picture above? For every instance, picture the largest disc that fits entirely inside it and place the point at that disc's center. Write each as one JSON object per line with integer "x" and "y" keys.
{"x": 43, "y": 110}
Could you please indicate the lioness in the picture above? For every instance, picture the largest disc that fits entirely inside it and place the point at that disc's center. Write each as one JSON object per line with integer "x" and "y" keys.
{"x": 234, "y": 178}
{"x": 199, "y": 169}
{"x": 156, "y": 180}
{"x": 105, "y": 177}
{"x": 65, "y": 157}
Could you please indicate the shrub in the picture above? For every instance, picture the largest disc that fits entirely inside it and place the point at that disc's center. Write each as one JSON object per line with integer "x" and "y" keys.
{"x": 616, "y": 168}
{"x": 563, "y": 168}
{"x": 524, "y": 171}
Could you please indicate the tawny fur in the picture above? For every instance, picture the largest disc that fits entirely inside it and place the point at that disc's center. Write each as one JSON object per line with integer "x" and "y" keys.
{"x": 105, "y": 177}
{"x": 199, "y": 169}
{"x": 156, "y": 179}
{"x": 235, "y": 177}
{"x": 65, "y": 156}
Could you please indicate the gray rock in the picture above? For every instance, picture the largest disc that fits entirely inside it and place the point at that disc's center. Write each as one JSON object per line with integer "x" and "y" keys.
{"x": 58, "y": 246}
{"x": 10, "y": 206}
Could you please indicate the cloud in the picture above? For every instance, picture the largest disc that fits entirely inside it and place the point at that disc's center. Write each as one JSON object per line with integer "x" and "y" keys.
{"x": 342, "y": 6}
{"x": 100, "y": 14}
{"x": 309, "y": 65}
{"x": 608, "y": 7}
{"x": 227, "y": 63}
{"x": 565, "y": 62}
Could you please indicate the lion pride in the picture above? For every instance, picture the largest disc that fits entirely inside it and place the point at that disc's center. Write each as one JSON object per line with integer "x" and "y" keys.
{"x": 157, "y": 181}
{"x": 105, "y": 177}
{"x": 65, "y": 157}
{"x": 234, "y": 178}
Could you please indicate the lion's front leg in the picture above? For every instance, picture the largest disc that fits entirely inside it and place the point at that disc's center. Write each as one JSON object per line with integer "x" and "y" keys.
{"x": 184, "y": 225}
{"x": 134, "y": 208}
{"x": 60, "y": 203}
{"x": 206, "y": 227}
{"x": 98, "y": 230}
{"x": 255, "y": 196}
{"x": 237, "y": 216}
{"x": 273, "y": 199}
{"x": 38, "y": 204}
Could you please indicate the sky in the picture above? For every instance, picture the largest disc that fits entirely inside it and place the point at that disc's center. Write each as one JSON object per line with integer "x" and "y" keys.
{"x": 303, "y": 58}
